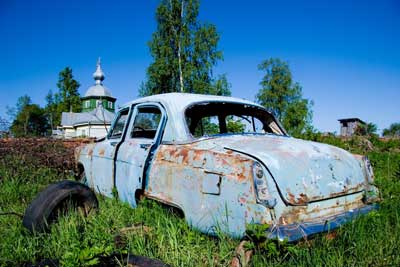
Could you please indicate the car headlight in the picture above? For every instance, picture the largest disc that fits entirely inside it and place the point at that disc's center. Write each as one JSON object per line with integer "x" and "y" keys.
{"x": 258, "y": 171}
{"x": 260, "y": 183}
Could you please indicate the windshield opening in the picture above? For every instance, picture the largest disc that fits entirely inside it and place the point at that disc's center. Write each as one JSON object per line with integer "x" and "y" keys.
{"x": 212, "y": 118}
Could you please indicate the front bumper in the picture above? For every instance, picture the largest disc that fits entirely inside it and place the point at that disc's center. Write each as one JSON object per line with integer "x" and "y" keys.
{"x": 296, "y": 231}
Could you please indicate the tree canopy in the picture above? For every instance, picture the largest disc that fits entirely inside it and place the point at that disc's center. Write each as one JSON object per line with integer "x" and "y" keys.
{"x": 29, "y": 121}
{"x": 184, "y": 52}
{"x": 69, "y": 98}
{"x": 283, "y": 97}
{"x": 366, "y": 129}
{"x": 393, "y": 130}
{"x": 66, "y": 99}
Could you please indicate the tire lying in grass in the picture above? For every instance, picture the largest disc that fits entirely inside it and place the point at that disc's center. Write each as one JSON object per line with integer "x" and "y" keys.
{"x": 57, "y": 199}
{"x": 129, "y": 260}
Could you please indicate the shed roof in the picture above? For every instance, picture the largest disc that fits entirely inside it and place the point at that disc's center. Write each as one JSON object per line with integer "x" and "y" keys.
{"x": 352, "y": 120}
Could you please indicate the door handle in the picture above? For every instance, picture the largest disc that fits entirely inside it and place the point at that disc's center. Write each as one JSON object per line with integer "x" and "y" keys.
{"x": 145, "y": 146}
{"x": 113, "y": 143}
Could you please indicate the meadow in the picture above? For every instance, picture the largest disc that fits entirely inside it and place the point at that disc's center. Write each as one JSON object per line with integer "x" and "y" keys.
{"x": 28, "y": 166}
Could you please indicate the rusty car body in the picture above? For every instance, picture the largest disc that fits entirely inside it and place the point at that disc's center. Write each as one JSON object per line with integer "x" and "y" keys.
{"x": 226, "y": 163}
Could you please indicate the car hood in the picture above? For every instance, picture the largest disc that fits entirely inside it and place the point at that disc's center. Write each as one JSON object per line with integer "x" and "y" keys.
{"x": 304, "y": 171}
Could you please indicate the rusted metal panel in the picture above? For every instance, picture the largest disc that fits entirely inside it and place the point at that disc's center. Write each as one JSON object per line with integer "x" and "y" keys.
{"x": 299, "y": 230}
{"x": 304, "y": 171}
{"x": 179, "y": 174}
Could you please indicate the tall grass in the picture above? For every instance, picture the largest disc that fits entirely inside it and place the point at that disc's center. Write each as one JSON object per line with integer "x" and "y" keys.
{"x": 371, "y": 240}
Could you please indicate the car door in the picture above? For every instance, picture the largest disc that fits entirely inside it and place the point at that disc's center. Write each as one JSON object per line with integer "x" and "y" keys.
{"x": 102, "y": 170}
{"x": 135, "y": 152}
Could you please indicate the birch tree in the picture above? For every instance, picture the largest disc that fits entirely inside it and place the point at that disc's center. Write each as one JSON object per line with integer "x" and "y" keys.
{"x": 184, "y": 52}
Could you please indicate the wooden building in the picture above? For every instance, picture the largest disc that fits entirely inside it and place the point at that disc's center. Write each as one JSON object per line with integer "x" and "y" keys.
{"x": 348, "y": 126}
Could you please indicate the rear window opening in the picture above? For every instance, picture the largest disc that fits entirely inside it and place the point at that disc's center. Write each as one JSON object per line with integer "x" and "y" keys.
{"x": 212, "y": 118}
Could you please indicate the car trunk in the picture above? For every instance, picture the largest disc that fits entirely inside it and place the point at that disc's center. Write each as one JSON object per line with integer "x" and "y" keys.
{"x": 304, "y": 171}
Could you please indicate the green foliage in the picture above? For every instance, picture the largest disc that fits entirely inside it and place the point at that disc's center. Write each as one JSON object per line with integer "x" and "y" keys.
{"x": 366, "y": 129}
{"x": 220, "y": 86}
{"x": 206, "y": 127}
{"x": 184, "y": 52}
{"x": 393, "y": 130}
{"x": 256, "y": 232}
{"x": 283, "y": 97}
{"x": 235, "y": 126}
{"x": 66, "y": 99}
{"x": 29, "y": 121}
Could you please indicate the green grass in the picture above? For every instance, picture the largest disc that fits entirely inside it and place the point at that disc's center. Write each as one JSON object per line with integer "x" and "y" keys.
{"x": 372, "y": 240}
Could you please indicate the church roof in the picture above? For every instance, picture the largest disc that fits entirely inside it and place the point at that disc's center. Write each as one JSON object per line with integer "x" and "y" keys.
{"x": 99, "y": 115}
{"x": 98, "y": 89}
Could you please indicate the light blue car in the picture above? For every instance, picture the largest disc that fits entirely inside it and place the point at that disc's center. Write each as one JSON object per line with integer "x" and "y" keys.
{"x": 227, "y": 163}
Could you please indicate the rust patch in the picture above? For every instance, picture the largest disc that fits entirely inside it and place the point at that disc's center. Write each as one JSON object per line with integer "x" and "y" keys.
{"x": 303, "y": 199}
{"x": 292, "y": 198}
{"x": 230, "y": 165}
{"x": 299, "y": 213}
{"x": 101, "y": 152}
{"x": 184, "y": 154}
{"x": 292, "y": 215}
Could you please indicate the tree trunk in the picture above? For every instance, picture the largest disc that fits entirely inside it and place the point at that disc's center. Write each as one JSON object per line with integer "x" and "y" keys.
{"x": 26, "y": 124}
{"x": 179, "y": 52}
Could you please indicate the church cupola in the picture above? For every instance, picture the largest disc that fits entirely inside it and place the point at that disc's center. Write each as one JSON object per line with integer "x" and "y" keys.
{"x": 98, "y": 95}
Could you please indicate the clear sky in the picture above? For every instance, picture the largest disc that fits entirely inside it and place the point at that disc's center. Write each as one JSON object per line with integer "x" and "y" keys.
{"x": 345, "y": 54}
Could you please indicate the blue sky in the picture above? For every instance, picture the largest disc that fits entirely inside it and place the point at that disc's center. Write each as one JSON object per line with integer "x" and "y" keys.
{"x": 345, "y": 54}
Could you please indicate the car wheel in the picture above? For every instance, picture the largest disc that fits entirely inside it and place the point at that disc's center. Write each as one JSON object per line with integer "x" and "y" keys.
{"x": 57, "y": 199}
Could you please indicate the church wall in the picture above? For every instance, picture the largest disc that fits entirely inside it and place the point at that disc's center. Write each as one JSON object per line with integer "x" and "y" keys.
{"x": 92, "y": 131}
{"x": 69, "y": 132}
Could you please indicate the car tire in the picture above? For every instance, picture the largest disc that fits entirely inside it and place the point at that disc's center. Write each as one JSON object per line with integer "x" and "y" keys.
{"x": 130, "y": 260}
{"x": 58, "y": 198}
{"x": 140, "y": 261}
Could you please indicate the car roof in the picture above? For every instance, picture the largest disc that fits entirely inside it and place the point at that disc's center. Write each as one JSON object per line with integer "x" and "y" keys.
{"x": 176, "y": 104}
{"x": 181, "y": 100}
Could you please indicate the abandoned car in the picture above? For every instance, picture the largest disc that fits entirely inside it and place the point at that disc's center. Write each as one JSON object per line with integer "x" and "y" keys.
{"x": 227, "y": 163}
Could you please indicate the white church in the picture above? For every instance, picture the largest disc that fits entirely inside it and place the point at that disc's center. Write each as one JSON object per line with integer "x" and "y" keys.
{"x": 98, "y": 110}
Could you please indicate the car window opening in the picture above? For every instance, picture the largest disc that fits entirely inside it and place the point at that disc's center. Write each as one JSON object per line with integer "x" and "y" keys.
{"x": 146, "y": 122}
{"x": 212, "y": 118}
{"x": 119, "y": 124}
